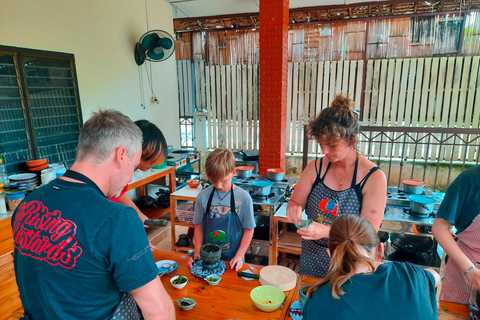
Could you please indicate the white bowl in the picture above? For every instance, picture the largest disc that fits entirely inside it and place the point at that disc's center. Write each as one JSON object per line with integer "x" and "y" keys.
{"x": 179, "y": 285}
{"x": 216, "y": 280}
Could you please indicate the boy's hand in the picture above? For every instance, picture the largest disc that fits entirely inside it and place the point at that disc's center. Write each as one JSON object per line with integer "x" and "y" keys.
{"x": 191, "y": 261}
{"x": 236, "y": 263}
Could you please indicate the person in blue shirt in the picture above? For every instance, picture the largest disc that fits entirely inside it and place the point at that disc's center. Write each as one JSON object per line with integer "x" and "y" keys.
{"x": 359, "y": 285}
{"x": 460, "y": 208}
{"x": 78, "y": 255}
{"x": 223, "y": 211}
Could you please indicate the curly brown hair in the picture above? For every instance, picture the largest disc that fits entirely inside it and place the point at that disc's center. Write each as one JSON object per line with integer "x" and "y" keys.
{"x": 337, "y": 122}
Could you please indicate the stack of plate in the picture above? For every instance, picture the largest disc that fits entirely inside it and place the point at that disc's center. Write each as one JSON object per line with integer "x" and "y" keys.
{"x": 24, "y": 179}
{"x": 37, "y": 165}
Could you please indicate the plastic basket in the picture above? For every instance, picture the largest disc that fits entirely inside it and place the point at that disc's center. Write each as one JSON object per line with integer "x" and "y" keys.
{"x": 185, "y": 212}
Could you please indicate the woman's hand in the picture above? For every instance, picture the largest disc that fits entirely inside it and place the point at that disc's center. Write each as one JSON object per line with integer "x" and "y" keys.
{"x": 315, "y": 232}
{"x": 474, "y": 277}
{"x": 236, "y": 263}
{"x": 294, "y": 212}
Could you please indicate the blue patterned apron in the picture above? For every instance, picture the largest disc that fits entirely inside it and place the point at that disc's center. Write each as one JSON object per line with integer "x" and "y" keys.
{"x": 323, "y": 206}
{"x": 224, "y": 231}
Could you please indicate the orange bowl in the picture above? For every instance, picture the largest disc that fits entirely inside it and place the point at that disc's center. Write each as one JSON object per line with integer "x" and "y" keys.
{"x": 39, "y": 168}
{"x": 193, "y": 184}
{"x": 36, "y": 163}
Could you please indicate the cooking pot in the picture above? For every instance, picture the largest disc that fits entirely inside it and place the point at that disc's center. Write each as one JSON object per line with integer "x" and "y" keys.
{"x": 262, "y": 188}
{"x": 421, "y": 205}
{"x": 244, "y": 171}
{"x": 275, "y": 174}
{"x": 413, "y": 186}
{"x": 412, "y": 242}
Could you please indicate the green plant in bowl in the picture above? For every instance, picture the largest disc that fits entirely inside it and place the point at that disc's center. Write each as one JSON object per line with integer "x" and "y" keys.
{"x": 213, "y": 280}
{"x": 267, "y": 298}
{"x": 178, "y": 282}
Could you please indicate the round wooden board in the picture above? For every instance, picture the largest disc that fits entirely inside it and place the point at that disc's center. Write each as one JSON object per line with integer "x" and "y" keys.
{"x": 278, "y": 276}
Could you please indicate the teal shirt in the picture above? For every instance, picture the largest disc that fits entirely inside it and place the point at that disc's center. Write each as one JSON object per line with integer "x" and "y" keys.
{"x": 461, "y": 204}
{"x": 395, "y": 290}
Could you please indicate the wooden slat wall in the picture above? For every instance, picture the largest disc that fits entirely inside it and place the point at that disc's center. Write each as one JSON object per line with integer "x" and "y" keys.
{"x": 427, "y": 92}
{"x": 418, "y": 92}
{"x": 9, "y": 295}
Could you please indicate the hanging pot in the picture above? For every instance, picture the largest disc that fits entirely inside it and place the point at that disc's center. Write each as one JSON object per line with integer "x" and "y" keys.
{"x": 421, "y": 205}
{"x": 413, "y": 186}
{"x": 244, "y": 171}
{"x": 275, "y": 174}
{"x": 262, "y": 188}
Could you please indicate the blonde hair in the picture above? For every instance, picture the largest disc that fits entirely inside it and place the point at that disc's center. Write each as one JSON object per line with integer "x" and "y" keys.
{"x": 348, "y": 234}
{"x": 219, "y": 163}
{"x": 338, "y": 122}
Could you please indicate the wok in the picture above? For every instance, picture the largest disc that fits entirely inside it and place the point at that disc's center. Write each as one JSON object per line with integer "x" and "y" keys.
{"x": 412, "y": 242}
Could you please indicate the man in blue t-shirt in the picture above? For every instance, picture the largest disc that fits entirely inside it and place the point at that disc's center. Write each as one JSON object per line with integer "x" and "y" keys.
{"x": 78, "y": 255}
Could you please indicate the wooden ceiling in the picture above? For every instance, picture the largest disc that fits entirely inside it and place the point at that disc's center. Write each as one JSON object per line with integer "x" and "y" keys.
{"x": 313, "y": 15}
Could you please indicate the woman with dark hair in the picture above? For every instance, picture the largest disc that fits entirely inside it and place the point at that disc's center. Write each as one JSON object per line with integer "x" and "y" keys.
{"x": 341, "y": 182}
{"x": 359, "y": 285}
{"x": 154, "y": 152}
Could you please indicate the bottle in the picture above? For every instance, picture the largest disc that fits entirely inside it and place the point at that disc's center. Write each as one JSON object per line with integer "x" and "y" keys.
{"x": 3, "y": 207}
{"x": 3, "y": 173}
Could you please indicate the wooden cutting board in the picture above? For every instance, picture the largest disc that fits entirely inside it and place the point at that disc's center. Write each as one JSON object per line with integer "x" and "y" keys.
{"x": 278, "y": 276}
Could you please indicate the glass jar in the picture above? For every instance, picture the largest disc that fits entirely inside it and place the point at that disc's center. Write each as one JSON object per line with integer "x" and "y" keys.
{"x": 13, "y": 199}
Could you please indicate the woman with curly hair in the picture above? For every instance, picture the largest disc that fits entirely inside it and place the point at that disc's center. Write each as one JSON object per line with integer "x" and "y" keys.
{"x": 341, "y": 182}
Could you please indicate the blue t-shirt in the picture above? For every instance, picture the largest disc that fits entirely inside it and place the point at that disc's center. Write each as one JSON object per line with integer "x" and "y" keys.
{"x": 394, "y": 291}
{"x": 220, "y": 206}
{"x": 76, "y": 252}
{"x": 461, "y": 204}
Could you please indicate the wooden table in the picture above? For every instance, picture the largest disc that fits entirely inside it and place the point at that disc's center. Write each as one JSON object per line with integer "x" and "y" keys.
{"x": 229, "y": 299}
{"x": 142, "y": 178}
{"x": 187, "y": 194}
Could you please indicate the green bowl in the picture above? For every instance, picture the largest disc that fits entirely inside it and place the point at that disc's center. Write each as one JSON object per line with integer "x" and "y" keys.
{"x": 267, "y": 298}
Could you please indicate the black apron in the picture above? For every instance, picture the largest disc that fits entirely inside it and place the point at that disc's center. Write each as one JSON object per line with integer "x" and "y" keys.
{"x": 323, "y": 206}
{"x": 127, "y": 308}
{"x": 225, "y": 231}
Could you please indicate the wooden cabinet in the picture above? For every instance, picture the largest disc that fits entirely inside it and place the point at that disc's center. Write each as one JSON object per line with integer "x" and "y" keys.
{"x": 186, "y": 194}
{"x": 140, "y": 181}
{"x": 283, "y": 241}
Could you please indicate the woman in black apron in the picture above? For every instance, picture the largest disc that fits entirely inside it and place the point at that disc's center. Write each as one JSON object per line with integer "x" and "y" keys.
{"x": 341, "y": 182}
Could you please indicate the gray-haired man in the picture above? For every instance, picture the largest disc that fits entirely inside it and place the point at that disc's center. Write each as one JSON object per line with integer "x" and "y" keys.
{"x": 77, "y": 254}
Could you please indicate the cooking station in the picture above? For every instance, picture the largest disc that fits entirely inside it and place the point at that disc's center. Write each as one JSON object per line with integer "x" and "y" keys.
{"x": 407, "y": 235}
{"x": 181, "y": 159}
{"x": 266, "y": 204}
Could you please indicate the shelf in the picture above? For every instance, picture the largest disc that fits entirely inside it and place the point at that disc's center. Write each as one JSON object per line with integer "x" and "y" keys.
{"x": 156, "y": 213}
{"x": 289, "y": 242}
{"x": 183, "y": 224}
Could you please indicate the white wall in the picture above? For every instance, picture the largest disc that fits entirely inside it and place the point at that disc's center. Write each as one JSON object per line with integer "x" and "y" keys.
{"x": 102, "y": 34}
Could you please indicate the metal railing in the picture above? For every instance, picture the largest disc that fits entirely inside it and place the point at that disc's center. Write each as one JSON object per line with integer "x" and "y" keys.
{"x": 433, "y": 155}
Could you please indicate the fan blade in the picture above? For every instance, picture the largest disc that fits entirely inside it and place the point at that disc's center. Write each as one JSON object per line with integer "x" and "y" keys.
{"x": 139, "y": 54}
{"x": 165, "y": 42}
{"x": 152, "y": 55}
{"x": 150, "y": 41}
{"x": 157, "y": 50}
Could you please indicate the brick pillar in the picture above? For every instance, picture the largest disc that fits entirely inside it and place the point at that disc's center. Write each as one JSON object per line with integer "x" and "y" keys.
{"x": 273, "y": 83}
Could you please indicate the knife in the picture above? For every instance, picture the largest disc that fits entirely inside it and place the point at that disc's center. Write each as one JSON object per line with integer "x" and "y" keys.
{"x": 248, "y": 275}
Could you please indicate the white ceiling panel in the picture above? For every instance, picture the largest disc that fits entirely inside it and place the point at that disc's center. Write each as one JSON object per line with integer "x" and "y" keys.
{"x": 202, "y": 8}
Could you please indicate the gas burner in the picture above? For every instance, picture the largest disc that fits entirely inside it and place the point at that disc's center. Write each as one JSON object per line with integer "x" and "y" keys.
{"x": 418, "y": 215}
{"x": 271, "y": 195}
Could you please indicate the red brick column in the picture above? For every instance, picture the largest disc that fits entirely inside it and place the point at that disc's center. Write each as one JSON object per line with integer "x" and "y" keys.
{"x": 273, "y": 83}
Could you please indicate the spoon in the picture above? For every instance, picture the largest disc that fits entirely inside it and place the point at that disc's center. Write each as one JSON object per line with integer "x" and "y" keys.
{"x": 172, "y": 266}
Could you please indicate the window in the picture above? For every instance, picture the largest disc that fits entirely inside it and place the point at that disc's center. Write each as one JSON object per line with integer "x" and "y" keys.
{"x": 40, "y": 115}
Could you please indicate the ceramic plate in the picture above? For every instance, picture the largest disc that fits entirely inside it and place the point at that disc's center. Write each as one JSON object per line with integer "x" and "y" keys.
{"x": 165, "y": 264}
{"x": 22, "y": 176}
